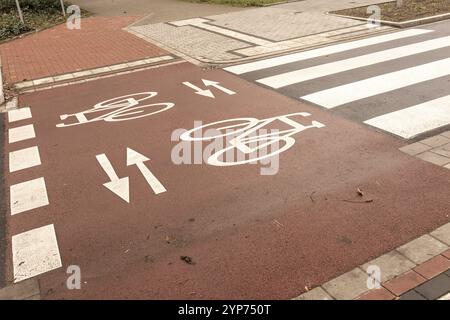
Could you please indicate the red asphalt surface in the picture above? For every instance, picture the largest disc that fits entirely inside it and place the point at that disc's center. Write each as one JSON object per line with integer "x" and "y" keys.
{"x": 249, "y": 235}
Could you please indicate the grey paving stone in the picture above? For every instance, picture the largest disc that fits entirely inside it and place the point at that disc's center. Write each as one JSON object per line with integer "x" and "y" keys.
{"x": 192, "y": 41}
{"x": 436, "y": 141}
{"x": 348, "y": 286}
{"x": 415, "y": 148}
{"x": 391, "y": 264}
{"x": 435, "y": 288}
{"x": 442, "y": 233}
{"x": 412, "y": 295}
{"x": 446, "y": 134}
{"x": 422, "y": 249}
{"x": 434, "y": 158}
{"x": 278, "y": 24}
{"x": 20, "y": 291}
{"x": 443, "y": 150}
{"x": 314, "y": 294}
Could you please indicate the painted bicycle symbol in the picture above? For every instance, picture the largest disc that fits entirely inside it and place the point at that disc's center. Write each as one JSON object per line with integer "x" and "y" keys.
{"x": 249, "y": 137}
{"x": 128, "y": 107}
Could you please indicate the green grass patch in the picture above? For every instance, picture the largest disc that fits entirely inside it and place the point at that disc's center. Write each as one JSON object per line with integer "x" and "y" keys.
{"x": 38, "y": 14}
{"x": 239, "y": 3}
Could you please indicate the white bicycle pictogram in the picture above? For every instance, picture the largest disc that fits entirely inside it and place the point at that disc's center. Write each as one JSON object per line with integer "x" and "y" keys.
{"x": 246, "y": 137}
{"x": 122, "y": 108}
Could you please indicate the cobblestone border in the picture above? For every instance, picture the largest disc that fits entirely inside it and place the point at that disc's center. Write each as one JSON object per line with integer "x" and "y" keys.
{"x": 2, "y": 96}
{"x": 404, "y": 24}
{"x": 434, "y": 149}
{"x": 101, "y": 76}
{"x": 74, "y": 76}
{"x": 405, "y": 272}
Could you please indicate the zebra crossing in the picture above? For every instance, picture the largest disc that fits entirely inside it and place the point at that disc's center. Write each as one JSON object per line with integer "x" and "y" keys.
{"x": 397, "y": 82}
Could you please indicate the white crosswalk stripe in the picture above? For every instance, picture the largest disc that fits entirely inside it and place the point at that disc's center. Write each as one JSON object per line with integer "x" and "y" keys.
{"x": 331, "y": 98}
{"x": 412, "y": 121}
{"x": 295, "y": 57}
{"x": 377, "y": 87}
{"x": 297, "y": 76}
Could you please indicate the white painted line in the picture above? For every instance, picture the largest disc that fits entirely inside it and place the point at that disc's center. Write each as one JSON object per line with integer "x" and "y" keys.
{"x": 24, "y": 159}
{"x": 304, "y": 55}
{"x": 21, "y": 133}
{"x": 331, "y": 98}
{"x": 28, "y": 195}
{"x": 35, "y": 252}
{"x": 200, "y": 23}
{"x": 410, "y": 122}
{"x": 19, "y": 114}
{"x": 297, "y": 76}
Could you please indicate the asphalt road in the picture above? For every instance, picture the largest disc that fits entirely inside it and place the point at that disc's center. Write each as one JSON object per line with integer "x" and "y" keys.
{"x": 204, "y": 231}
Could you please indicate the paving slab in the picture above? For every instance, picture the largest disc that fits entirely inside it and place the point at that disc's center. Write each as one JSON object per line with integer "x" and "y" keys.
{"x": 242, "y": 35}
{"x": 422, "y": 249}
{"x": 391, "y": 264}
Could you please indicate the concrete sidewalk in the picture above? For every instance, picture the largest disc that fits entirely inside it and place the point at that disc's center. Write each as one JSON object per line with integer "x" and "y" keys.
{"x": 239, "y": 36}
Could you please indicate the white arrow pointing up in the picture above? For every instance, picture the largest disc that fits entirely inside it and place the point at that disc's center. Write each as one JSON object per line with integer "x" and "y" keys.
{"x": 120, "y": 187}
{"x": 135, "y": 158}
{"x": 200, "y": 91}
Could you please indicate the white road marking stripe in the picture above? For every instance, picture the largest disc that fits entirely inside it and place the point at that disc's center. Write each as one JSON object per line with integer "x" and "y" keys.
{"x": 24, "y": 158}
{"x": 340, "y": 95}
{"x": 19, "y": 114}
{"x": 412, "y": 121}
{"x": 297, "y": 76}
{"x": 35, "y": 252}
{"x": 304, "y": 55}
{"x": 21, "y": 133}
{"x": 203, "y": 24}
{"x": 28, "y": 195}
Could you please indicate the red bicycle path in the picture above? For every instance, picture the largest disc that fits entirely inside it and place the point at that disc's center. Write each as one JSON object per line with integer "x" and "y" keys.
{"x": 250, "y": 236}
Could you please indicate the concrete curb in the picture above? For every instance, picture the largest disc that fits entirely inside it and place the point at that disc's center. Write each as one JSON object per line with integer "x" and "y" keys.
{"x": 84, "y": 75}
{"x": 404, "y": 24}
{"x": 2, "y": 96}
{"x": 417, "y": 257}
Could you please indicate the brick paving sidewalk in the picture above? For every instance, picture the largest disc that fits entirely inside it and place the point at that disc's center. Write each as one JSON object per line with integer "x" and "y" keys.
{"x": 100, "y": 42}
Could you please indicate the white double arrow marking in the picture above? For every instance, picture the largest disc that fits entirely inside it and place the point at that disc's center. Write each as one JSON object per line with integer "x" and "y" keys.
{"x": 121, "y": 186}
{"x": 207, "y": 92}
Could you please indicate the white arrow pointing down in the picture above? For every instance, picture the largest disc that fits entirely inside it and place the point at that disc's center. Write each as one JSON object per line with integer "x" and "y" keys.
{"x": 119, "y": 186}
